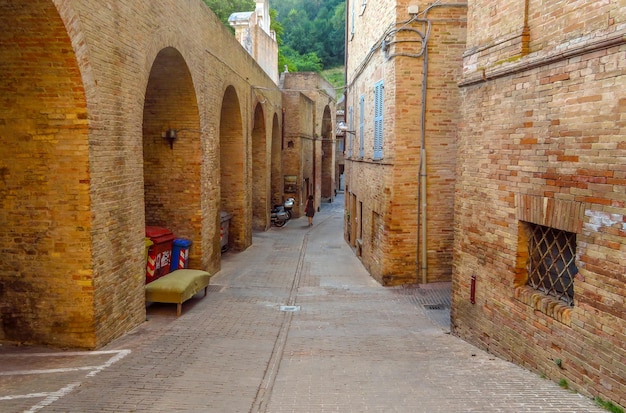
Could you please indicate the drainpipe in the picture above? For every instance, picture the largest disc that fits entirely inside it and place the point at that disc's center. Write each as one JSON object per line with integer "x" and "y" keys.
{"x": 422, "y": 196}
{"x": 345, "y": 57}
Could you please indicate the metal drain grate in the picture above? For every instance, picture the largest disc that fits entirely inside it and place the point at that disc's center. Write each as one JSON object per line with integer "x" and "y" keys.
{"x": 215, "y": 288}
{"x": 435, "y": 306}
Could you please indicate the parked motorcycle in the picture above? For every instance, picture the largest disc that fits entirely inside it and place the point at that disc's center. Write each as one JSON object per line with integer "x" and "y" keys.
{"x": 288, "y": 205}
{"x": 279, "y": 216}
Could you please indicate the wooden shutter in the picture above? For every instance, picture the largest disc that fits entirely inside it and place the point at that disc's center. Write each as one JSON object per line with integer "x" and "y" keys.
{"x": 378, "y": 119}
{"x": 361, "y": 126}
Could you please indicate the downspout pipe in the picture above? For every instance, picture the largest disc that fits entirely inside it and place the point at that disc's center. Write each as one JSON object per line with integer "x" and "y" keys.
{"x": 423, "y": 175}
{"x": 423, "y": 198}
{"x": 345, "y": 55}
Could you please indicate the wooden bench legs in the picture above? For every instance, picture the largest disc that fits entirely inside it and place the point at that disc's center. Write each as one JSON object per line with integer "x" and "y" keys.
{"x": 179, "y": 306}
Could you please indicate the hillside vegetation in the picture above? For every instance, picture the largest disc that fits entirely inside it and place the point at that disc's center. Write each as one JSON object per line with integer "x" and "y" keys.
{"x": 310, "y": 33}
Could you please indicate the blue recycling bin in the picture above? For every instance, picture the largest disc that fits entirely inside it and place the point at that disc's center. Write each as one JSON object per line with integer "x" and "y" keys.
{"x": 180, "y": 253}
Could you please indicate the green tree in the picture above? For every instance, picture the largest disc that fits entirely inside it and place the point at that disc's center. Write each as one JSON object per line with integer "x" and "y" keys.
{"x": 310, "y": 33}
{"x": 276, "y": 26}
{"x": 313, "y": 27}
{"x": 297, "y": 62}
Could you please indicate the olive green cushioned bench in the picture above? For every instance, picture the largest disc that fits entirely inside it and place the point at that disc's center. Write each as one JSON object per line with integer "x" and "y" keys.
{"x": 177, "y": 287}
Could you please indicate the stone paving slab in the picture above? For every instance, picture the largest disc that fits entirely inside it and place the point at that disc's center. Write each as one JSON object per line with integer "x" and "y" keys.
{"x": 292, "y": 324}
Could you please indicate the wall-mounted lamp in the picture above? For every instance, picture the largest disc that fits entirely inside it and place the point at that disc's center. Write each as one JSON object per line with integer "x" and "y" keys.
{"x": 171, "y": 135}
{"x": 342, "y": 127}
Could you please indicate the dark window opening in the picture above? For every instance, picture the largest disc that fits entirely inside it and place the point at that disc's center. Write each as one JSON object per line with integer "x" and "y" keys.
{"x": 551, "y": 264}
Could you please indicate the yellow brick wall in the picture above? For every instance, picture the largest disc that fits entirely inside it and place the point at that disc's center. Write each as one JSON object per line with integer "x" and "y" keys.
{"x": 310, "y": 118}
{"x": 85, "y": 166}
{"x": 542, "y": 141}
{"x": 383, "y": 210}
{"x": 298, "y": 145}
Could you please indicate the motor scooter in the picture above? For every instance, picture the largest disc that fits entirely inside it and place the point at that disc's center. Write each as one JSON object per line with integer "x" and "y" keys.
{"x": 279, "y": 216}
{"x": 288, "y": 205}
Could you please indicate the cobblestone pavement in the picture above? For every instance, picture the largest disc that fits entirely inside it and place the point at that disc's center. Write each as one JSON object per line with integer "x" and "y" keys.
{"x": 292, "y": 324}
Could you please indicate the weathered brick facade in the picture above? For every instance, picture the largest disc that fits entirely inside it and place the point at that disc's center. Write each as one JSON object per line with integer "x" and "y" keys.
{"x": 309, "y": 136}
{"x": 542, "y": 142}
{"x": 384, "y": 221}
{"x": 252, "y": 30}
{"x": 89, "y": 90}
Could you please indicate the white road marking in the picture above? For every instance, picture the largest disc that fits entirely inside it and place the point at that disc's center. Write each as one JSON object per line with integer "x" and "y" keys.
{"x": 51, "y": 397}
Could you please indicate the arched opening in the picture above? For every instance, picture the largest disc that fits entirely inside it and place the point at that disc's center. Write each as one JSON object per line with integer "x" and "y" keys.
{"x": 45, "y": 218}
{"x": 260, "y": 182}
{"x": 328, "y": 158}
{"x": 232, "y": 169}
{"x": 277, "y": 170}
{"x": 172, "y": 151}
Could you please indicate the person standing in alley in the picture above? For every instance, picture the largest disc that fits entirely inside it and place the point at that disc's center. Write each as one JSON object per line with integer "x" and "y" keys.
{"x": 309, "y": 209}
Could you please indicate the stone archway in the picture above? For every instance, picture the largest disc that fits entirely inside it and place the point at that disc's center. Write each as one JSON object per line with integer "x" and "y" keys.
{"x": 328, "y": 158}
{"x": 46, "y": 276}
{"x": 172, "y": 151}
{"x": 260, "y": 198}
{"x": 276, "y": 159}
{"x": 232, "y": 169}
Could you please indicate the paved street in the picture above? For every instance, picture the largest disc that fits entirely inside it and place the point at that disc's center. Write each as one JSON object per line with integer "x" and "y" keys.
{"x": 292, "y": 324}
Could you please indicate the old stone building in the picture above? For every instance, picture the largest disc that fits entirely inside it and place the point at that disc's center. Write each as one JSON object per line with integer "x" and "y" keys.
{"x": 340, "y": 140}
{"x": 540, "y": 211}
{"x": 252, "y": 30}
{"x": 115, "y": 116}
{"x": 403, "y": 65}
{"x": 309, "y": 139}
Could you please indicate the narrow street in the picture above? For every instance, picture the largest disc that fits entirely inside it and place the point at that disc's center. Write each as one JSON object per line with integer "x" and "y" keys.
{"x": 292, "y": 324}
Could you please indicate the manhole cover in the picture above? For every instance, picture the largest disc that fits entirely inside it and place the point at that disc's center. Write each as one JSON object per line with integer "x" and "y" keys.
{"x": 290, "y": 308}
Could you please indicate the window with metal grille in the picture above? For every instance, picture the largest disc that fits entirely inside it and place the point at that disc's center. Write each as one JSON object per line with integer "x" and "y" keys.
{"x": 551, "y": 263}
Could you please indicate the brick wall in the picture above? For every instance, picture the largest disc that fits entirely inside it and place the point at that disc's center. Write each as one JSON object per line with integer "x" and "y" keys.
{"x": 368, "y": 185}
{"x": 320, "y": 112}
{"x": 298, "y": 146}
{"x": 85, "y": 164}
{"x": 383, "y": 213}
{"x": 542, "y": 142}
{"x": 260, "y": 173}
{"x": 45, "y": 224}
{"x": 276, "y": 161}
{"x": 253, "y": 32}
{"x": 266, "y": 52}
{"x": 327, "y": 154}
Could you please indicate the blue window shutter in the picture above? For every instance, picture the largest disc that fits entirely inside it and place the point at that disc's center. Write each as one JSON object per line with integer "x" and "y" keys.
{"x": 361, "y": 126}
{"x": 350, "y": 135}
{"x": 379, "y": 107}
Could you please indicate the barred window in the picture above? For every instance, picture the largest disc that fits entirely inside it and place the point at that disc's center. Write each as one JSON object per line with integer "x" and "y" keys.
{"x": 551, "y": 264}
